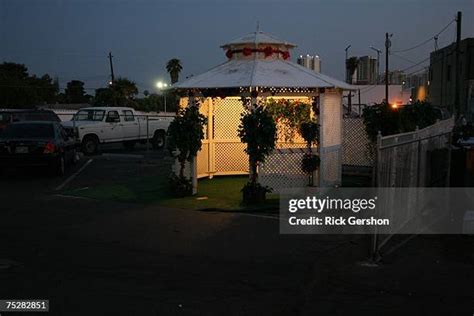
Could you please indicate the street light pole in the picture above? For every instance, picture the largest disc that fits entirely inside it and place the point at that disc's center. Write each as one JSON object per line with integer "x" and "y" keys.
{"x": 378, "y": 62}
{"x": 347, "y": 49}
{"x": 164, "y": 97}
{"x": 387, "y": 46}
{"x": 162, "y": 87}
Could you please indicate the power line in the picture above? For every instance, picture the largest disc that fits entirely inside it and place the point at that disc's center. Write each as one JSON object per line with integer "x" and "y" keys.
{"x": 418, "y": 63}
{"x": 414, "y": 47}
{"x": 416, "y": 71}
{"x": 425, "y": 41}
{"x": 423, "y": 68}
{"x": 403, "y": 58}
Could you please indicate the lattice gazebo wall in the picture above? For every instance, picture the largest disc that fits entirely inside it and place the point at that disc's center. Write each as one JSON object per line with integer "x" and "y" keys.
{"x": 282, "y": 169}
{"x": 223, "y": 153}
{"x": 331, "y": 138}
{"x": 259, "y": 66}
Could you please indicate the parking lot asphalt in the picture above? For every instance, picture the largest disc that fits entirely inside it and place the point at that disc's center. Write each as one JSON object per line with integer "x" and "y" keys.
{"x": 106, "y": 258}
{"x": 92, "y": 257}
{"x": 34, "y": 182}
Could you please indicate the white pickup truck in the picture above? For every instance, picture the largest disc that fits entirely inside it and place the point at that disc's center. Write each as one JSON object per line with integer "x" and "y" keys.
{"x": 98, "y": 125}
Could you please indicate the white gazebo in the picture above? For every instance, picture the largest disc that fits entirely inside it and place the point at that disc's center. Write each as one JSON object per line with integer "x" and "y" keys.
{"x": 259, "y": 67}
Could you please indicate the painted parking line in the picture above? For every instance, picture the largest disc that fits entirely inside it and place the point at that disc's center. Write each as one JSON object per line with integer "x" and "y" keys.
{"x": 73, "y": 197}
{"x": 260, "y": 216}
{"x": 71, "y": 177}
{"x": 133, "y": 156}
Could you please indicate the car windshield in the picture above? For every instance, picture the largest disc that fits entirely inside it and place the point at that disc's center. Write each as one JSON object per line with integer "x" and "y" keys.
{"x": 89, "y": 115}
{"x": 28, "y": 131}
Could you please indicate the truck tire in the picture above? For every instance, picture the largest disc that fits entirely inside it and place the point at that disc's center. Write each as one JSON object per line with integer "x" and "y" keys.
{"x": 129, "y": 144}
{"x": 158, "y": 140}
{"x": 90, "y": 145}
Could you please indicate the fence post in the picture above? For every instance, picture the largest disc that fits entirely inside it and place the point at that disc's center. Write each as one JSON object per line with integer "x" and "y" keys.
{"x": 376, "y": 182}
{"x": 418, "y": 157}
{"x": 375, "y": 170}
{"x": 211, "y": 165}
{"x": 448, "y": 173}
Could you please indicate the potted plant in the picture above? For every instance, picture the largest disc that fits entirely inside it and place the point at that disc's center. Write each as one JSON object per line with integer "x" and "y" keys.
{"x": 185, "y": 135}
{"x": 257, "y": 129}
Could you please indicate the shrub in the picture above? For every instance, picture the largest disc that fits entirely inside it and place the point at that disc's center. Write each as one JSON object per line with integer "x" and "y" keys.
{"x": 185, "y": 135}
{"x": 257, "y": 129}
{"x": 254, "y": 193}
{"x": 382, "y": 117}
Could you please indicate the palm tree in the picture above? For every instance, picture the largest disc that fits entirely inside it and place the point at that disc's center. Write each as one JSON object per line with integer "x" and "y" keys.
{"x": 173, "y": 66}
{"x": 351, "y": 65}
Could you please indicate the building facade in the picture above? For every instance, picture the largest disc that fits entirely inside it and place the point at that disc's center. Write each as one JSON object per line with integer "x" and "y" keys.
{"x": 442, "y": 78}
{"x": 312, "y": 62}
{"x": 418, "y": 85}
{"x": 366, "y": 72}
{"x": 397, "y": 77}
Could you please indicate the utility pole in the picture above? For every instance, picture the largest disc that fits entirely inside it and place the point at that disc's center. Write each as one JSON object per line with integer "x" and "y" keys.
{"x": 387, "y": 46}
{"x": 457, "y": 93}
{"x": 112, "y": 77}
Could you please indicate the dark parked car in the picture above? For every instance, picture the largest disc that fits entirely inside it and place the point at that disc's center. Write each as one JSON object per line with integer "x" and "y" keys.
{"x": 37, "y": 144}
{"x": 21, "y": 115}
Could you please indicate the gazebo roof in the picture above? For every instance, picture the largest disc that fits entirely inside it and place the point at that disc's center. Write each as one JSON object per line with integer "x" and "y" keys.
{"x": 258, "y": 37}
{"x": 261, "y": 73}
{"x": 254, "y": 68}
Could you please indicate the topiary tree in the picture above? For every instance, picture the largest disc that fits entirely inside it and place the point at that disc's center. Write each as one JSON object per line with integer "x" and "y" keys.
{"x": 258, "y": 130}
{"x": 310, "y": 132}
{"x": 185, "y": 135}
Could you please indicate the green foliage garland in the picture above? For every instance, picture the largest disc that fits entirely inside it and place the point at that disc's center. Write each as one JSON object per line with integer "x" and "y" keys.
{"x": 288, "y": 115}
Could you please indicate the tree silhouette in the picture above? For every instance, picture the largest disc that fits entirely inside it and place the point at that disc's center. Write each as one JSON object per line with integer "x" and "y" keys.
{"x": 20, "y": 90}
{"x": 173, "y": 66}
{"x": 121, "y": 93}
{"x": 74, "y": 92}
{"x": 351, "y": 65}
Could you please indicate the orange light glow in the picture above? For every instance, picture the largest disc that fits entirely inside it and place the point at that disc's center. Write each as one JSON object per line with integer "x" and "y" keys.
{"x": 394, "y": 106}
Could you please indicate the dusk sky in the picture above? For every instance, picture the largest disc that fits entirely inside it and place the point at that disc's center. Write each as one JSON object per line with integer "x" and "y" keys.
{"x": 70, "y": 39}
